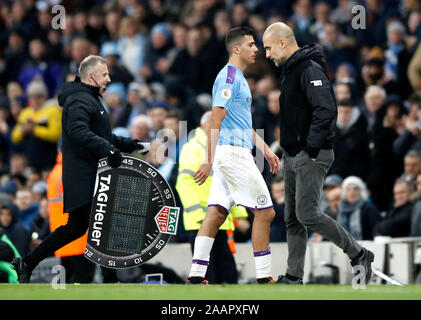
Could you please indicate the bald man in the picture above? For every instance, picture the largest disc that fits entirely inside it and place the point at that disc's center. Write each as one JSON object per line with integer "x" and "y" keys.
{"x": 308, "y": 115}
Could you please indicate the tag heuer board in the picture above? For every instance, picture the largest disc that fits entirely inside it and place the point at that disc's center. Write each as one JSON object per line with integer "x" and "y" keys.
{"x": 133, "y": 214}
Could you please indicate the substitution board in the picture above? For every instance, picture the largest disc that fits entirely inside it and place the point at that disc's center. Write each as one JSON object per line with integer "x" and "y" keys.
{"x": 133, "y": 214}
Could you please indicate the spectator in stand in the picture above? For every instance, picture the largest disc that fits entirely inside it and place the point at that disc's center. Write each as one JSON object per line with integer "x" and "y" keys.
{"x": 157, "y": 113}
{"x": 79, "y": 50}
{"x": 156, "y": 55}
{"x": 115, "y": 101}
{"x": 397, "y": 222}
{"x": 352, "y": 155}
{"x": 386, "y": 167}
{"x": 39, "y": 66}
{"x": 140, "y": 127}
{"x": 409, "y": 139}
{"x": 355, "y": 213}
{"x": 131, "y": 45}
{"x": 398, "y": 57}
{"x": 17, "y": 233}
{"x": 373, "y": 100}
{"x": 118, "y": 73}
{"x": 277, "y": 227}
{"x": 416, "y": 210}
{"x": 28, "y": 210}
{"x": 38, "y": 128}
{"x": 412, "y": 168}
{"x": 136, "y": 105}
{"x": 12, "y": 58}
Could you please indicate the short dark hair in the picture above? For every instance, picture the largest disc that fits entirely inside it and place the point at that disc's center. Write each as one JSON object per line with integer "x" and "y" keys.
{"x": 345, "y": 103}
{"x": 235, "y": 35}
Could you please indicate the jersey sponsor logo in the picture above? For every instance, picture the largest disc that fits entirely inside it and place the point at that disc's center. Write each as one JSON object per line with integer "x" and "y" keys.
{"x": 317, "y": 83}
{"x": 226, "y": 93}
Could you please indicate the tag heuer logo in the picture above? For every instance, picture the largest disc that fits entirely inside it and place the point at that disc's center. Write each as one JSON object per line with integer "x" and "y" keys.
{"x": 167, "y": 220}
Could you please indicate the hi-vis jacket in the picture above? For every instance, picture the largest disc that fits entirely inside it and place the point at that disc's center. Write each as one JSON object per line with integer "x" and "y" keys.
{"x": 57, "y": 216}
{"x": 194, "y": 197}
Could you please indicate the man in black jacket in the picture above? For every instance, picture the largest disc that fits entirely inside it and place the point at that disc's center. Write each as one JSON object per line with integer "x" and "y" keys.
{"x": 87, "y": 137}
{"x": 308, "y": 115}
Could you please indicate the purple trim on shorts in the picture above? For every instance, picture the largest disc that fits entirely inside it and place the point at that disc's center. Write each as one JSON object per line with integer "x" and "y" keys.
{"x": 253, "y": 208}
{"x": 230, "y": 75}
{"x": 261, "y": 253}
{"x": 217, "y": 205}
{"x": 202, "y": 262}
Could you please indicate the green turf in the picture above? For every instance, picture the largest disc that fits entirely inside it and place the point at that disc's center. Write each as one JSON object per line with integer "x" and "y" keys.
{"x": 213, "y": 292}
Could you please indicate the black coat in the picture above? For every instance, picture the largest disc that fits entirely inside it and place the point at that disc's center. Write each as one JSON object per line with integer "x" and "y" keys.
{"x": 397, "y": 222}
{"x": 307, "y": 102}
{"x": 352, "y": 154}
{"x": 87, "y": 137}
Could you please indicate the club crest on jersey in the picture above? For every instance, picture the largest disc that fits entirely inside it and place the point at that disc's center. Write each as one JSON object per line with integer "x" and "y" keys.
{"x": 261, "y": 199}
{"x": 226, "y": 93}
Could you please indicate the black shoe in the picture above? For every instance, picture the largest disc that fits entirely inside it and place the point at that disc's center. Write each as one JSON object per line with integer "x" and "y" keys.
{"x": 285, "y": 280}
{"x": 197, "y": 280}
{"x": 24, "y": 274}
{"x": 266, "y": 280}
{"x": 364, "y": 260}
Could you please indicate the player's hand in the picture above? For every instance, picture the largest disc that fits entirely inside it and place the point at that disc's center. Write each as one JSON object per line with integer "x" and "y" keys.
{"x": 273, "y": 160}
{"x": 202, "y": 173}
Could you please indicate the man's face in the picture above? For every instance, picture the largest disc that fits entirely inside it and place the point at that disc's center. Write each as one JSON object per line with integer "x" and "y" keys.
{"x": 344, "y": 114}
{"x": 5, "y": 217}
{"x": 275, "y": 49}
{"x": 373, "y": 102}
{"x": 278, "y": 192}
{"x": 352, "y": 193}
{"x": 101, "y": 77}
{"x": 23, "y": 199}
{"x": 333, "y": 196}
{"x": 412, "y": 166}
{"x": 342, "y": 92}
{"x": 248, "y": 49}
{"x": 401, "y": 194}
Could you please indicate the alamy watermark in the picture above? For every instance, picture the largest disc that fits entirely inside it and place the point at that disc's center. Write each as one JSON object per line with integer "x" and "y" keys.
{"x": 360, "y": 18}
{"x": 59, "y": 20}
{"x": 58, "y": 282}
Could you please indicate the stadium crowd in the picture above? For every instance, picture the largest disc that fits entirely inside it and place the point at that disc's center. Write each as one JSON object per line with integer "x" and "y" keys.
{"x": 163, "y": 56}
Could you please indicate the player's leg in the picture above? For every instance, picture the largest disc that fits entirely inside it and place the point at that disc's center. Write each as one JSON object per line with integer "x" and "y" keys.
{"x": 219, "y": 200}
{"x": 248, "y": 188}
{"x": 260, "y": 241}
{"x": 203, "y": 243}
{"x": 76, "y": 227}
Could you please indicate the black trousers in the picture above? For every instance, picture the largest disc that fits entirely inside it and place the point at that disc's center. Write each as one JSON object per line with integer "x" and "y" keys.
{"x": 76, "y": 226}
{"x": 222, "y": 267}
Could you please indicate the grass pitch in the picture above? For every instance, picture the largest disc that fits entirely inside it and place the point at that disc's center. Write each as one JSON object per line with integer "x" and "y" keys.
{"x": 213, "y": 292}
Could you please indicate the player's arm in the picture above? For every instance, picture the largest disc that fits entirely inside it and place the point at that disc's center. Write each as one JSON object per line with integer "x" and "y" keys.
{"x": 271, "y": 157}
{"x": 217, "y": 115}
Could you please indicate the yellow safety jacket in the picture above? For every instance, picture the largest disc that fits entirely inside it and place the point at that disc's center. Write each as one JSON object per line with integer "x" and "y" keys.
{"x": 194, "y": 197}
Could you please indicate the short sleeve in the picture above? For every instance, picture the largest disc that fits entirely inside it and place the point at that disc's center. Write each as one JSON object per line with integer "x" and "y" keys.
{"x": 223, "y": 94}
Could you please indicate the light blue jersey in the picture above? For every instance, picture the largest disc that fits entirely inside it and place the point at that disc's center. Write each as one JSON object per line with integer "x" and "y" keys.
{"x": 231, "y": 91}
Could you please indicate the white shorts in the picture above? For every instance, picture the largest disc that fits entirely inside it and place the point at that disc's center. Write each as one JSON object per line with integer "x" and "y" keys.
{"x": 237, "y": 180}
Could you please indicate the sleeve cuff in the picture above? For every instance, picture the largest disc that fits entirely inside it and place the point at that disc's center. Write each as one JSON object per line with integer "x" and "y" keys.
{"x": 312, "y": 152}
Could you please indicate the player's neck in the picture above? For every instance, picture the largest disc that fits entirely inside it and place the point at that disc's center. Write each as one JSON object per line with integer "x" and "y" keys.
{"x": 238, "y": 63}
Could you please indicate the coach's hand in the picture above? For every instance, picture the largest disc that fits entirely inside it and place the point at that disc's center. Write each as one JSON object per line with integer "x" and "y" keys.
{"x": 115, "y": 158}
{"x": 273, "y": 160}
{"x": 202, "y": 173}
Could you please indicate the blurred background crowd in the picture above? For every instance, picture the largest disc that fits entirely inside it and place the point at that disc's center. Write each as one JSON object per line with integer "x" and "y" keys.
{"x": 163, "y": 56}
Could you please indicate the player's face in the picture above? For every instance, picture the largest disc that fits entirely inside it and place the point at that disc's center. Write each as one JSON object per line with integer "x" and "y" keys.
{"x": 248, "y": 49}
{"x": 275, "y": 49}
